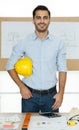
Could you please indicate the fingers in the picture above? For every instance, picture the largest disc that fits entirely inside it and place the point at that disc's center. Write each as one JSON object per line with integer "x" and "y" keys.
{"x": 58, "y": 101}
{"x": 26, "y": 93}
{"x": 56, "y": 105}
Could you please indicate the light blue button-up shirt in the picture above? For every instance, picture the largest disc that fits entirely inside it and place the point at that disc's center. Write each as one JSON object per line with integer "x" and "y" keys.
{"x": 48, "y": 56}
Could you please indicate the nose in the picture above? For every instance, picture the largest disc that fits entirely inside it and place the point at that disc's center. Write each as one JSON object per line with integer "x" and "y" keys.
{"x": 42, "y": 20}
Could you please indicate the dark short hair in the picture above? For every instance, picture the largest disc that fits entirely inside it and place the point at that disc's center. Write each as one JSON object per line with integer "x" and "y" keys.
{"x": 41, "y": 7}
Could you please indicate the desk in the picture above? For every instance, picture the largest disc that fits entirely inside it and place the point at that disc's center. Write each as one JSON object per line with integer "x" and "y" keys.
{"x": 61, "y": 126}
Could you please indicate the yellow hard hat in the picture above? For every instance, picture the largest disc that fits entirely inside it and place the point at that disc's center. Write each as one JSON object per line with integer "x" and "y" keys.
{"x": 24, "y": 66}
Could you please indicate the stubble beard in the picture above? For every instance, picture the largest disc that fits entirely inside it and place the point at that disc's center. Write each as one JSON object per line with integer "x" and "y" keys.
{"x": 42, "y": 30}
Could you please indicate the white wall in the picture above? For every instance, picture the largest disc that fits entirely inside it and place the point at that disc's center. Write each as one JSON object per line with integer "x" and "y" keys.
{"x": 23, "y": 8}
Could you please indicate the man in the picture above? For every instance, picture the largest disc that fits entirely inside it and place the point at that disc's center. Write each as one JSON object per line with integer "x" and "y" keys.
{"x": 48, "y": 55}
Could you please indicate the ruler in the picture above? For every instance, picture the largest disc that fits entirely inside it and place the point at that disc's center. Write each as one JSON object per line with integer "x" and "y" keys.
{"x": 26, "y": 121}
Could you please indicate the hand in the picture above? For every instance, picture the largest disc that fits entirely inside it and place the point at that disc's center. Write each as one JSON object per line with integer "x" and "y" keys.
{"x": 58, "y": 101}
{"x": 25, "y": 92}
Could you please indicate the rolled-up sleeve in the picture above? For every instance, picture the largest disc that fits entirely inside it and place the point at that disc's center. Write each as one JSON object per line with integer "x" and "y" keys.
{"x": 17, "y": 53}
{"x": 61, "y": 58}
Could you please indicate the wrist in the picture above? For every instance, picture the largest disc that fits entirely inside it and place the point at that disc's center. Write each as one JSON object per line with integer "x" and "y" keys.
{"x": 61, "y": 92}
{"x": 20, "y": 85}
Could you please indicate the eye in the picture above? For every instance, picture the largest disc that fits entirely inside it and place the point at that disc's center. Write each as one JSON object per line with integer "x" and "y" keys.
{"x": 42, "y": 17}
{"x": 38, "y": 17}
{"x": 45, "y": 17}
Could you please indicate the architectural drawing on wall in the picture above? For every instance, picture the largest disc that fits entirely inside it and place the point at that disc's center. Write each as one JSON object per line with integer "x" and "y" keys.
{"x": 12, "y": 32}
{"x": 69, "y": 33}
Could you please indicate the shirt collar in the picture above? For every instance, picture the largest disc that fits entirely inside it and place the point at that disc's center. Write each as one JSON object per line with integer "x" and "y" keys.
{"x": 49, "y": 36}
{"x": 34, "y": 36}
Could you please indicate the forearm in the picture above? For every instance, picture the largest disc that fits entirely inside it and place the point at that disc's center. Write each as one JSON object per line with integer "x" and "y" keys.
{"x": 25, "y": 92}
{"x": 62, "y": 81}
{"x": 15, "y": 77}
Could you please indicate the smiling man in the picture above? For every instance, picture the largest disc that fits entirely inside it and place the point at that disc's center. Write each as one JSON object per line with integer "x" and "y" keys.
{"x": 48, "y": 56}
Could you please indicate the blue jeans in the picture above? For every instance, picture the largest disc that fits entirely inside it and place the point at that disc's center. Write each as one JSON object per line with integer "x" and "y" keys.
{"x": 39, "y": 102}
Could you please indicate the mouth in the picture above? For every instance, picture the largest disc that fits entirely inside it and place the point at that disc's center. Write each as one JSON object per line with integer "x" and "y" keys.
{"x": 42, "y": 25}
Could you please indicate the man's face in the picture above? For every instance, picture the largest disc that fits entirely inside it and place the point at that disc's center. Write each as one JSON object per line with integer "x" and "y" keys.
{"x": 41, "y": 20}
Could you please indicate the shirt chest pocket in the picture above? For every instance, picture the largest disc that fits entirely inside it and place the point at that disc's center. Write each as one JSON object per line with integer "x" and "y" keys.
{"x": 49, "y": 54}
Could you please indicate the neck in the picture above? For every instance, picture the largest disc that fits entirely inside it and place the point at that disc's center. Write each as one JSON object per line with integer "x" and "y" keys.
{"x": 41, "y": 35}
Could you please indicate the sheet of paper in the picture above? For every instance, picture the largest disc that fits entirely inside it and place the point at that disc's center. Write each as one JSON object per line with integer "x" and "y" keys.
{"x": 13, "y": 118}
{"x": 6, "y": 121}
